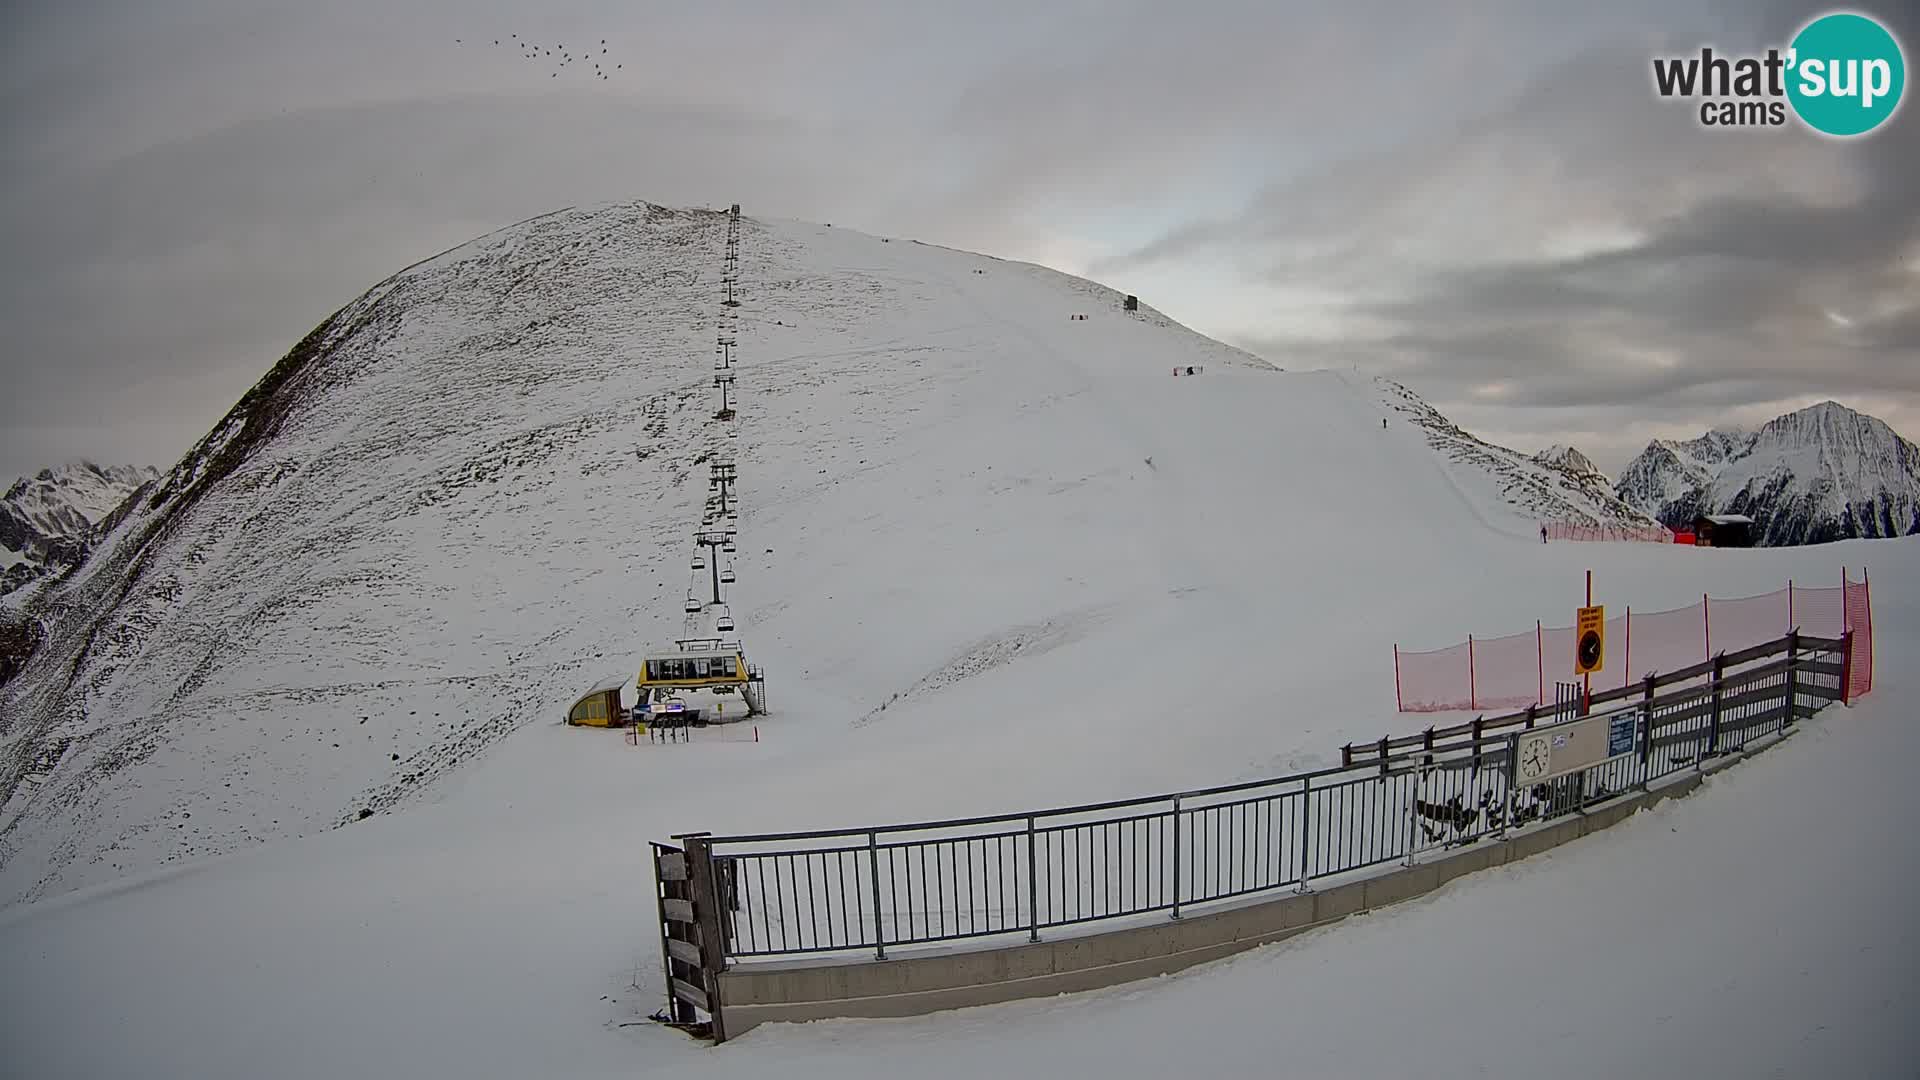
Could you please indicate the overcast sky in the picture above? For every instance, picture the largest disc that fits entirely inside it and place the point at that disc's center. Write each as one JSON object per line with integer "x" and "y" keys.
{"x": 1484, "y": 200}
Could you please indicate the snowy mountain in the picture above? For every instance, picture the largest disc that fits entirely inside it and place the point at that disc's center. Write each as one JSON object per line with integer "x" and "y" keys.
{"x": 992, "y": 557}
{"x": 45, "y": 519}
{"x": 1568, "y": 458}
{"x": 1819, "y": 474}
{"x": 470, "y": 494}
{"x": 1558, "y": 484}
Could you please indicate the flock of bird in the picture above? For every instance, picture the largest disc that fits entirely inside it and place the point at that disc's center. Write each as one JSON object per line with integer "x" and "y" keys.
{"x": 603, "y": 65}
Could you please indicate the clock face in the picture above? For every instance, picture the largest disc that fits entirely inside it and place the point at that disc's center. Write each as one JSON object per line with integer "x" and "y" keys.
{"x": 1534, "y": 757}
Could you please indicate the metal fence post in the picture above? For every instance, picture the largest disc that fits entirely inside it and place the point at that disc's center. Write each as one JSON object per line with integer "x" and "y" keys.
{"x": 1413, "y": 816}
{"x": 1846, "y": 662}
{"x": 1513, "y": 781}
{"x": 1306, "y": 823}
{"x": 1646, "y": 733}
{"x": 1793, "y": 678}
{"x": 1033, "y": 886}
{"x": 1713, "y": 716}
{"x": 873, "y": 863}
{"x": 706, "y": 912}
{"x": 1176, "y": 856}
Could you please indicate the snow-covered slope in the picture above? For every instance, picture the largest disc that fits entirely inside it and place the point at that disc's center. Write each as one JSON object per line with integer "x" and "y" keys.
{"x": 45, "y": 518}
{"x": 470, "y": 493}
{"x": 1822, "y": 473}
{"x": 992, "y": 557}
{"x": 1555, "y": 485}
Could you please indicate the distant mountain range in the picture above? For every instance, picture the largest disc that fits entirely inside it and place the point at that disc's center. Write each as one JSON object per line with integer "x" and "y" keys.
{"x": 1819, "y": 474}
{"x": 1559, "y": 484}
{"x": 47, "y": 519}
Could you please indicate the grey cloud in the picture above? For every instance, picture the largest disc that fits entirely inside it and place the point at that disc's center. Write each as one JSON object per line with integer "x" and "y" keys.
{"x": 1476, "y": 197}
{"x": 1733, "y": 272}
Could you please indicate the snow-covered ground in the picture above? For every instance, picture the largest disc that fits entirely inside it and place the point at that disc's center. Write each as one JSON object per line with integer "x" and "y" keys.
{"x": 1762, "y": 927}
{"x": 1066, "y": 575}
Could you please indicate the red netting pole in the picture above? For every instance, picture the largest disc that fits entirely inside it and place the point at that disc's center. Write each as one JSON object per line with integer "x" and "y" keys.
{"x": 1706, "y": 621}
{"x": 1866, "y": 587}
{"x": 1540, "y": 662}
{"x": 1846, "y": 635}
{"x": 1473, "y": 685}
{"x": 1399, "y": 703}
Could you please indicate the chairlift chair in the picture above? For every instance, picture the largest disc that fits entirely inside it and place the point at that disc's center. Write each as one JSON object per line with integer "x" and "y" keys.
{"x": 726, "y": 576}
{"x": 724, "y": 623}
{"x": 693, "y": 604}
{"x": 699, "y": 561}
{"x": 727, "y": 546}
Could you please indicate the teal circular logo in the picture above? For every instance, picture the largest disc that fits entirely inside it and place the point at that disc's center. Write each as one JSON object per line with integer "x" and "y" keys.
{"x": 1846, "y": 74}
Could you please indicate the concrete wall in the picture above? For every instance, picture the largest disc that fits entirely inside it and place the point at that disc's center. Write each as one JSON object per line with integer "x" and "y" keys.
{"x": 816, "y": 988}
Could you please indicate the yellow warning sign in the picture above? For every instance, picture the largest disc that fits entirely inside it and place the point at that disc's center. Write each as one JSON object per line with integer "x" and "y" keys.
{"x": 1590, "y": 640}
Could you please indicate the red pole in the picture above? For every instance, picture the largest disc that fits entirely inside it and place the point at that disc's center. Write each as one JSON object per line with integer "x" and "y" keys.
{"x": 1586, "y": 681}
{"x": 1399, "y": 703}
{"x": 1866, "y": 586}
{"x": 1473, "y": 684}
{"x": 1540, "y": 662}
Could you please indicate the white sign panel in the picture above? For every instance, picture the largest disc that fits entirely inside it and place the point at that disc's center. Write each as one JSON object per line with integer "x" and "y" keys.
{"x": 1549, "y": 753}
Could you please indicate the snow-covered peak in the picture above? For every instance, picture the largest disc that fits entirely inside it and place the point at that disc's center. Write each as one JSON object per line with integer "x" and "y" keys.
{"x": 1568, "y": 458}
{"x": 1825, "y": 472}
{"x": 65, "y": 500}
{"x": 47, "y": 517}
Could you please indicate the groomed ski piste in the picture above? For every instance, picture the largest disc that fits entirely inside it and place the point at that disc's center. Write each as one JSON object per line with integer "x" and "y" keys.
{"x": 992, "y": 558}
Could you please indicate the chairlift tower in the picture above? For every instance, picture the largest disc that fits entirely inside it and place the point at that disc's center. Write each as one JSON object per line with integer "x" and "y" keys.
{"x": 722, "y": 480}
{"x": 716, "y": 539}
{"x": 724, "y": 381}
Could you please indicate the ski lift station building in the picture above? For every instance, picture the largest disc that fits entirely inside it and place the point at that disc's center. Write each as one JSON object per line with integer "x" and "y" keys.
{"x": 600, "y": 706}
{"x": 709, "y": 679}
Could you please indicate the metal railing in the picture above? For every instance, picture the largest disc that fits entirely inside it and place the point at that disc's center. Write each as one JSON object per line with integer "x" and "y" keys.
{"x": 888, "y": 886}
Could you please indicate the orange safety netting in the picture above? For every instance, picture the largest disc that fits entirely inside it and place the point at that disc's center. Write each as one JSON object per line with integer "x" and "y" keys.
{"x": 1518, "y": 670}
{"x": 1574, "y": 530}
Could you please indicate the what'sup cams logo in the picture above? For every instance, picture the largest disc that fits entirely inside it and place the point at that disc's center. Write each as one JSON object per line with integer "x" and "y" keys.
{"x": 1842, "y": 75}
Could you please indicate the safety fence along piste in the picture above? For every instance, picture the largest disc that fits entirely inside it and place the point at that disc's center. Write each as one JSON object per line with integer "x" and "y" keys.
{"x": 1017, "y": 876}
{"x": 1519, "y": 670}
{"x": 1575, "y": 530}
